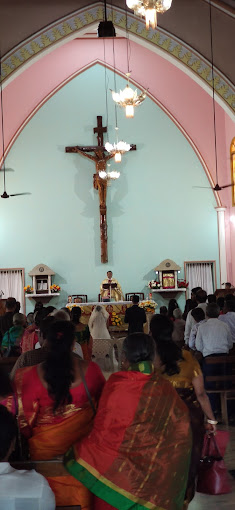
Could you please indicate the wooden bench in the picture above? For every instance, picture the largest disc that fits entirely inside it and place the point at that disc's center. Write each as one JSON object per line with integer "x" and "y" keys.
{"x": 47, "y": 468}
{"x": 8, "y": 363}
{"x": 225, "y": 393}
{"x": 54, "y": 467}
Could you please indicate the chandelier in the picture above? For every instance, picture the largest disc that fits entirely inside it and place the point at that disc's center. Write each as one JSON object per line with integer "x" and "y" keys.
{"x": 128, "y": 98}
{"x": 110, "y": 175}
{"x": 148, "y": 9}
{"x": 117, "y": 149}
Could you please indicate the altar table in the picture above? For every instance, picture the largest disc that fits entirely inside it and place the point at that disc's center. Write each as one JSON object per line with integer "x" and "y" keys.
{"x": 113, "y": 306}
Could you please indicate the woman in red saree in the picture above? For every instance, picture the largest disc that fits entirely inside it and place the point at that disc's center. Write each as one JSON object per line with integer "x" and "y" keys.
{"x": 137, "y": 454}
{"x": 29, "y": 338}
{"x": 54, "y": 408}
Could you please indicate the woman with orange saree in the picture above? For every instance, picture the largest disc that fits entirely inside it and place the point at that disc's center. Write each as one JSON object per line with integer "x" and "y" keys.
{"x": 137, "y": 454}
{"x": 30, "y": 335}
{"x": 54, "y": 407}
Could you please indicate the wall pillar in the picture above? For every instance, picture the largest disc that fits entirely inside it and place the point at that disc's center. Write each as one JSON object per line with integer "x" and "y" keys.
{"x": 222, "y": 246}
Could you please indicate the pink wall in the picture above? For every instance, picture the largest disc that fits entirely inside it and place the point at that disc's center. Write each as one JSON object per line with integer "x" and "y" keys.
{"x": 184, "y": 99}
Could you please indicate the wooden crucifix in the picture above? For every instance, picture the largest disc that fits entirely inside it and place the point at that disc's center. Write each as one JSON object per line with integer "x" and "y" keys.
{"x": 100, "y": 157}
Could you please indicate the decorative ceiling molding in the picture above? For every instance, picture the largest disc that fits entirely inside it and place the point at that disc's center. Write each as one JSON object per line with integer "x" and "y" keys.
{"x": 71, "y": 25}
{"x": 224, "y": 7}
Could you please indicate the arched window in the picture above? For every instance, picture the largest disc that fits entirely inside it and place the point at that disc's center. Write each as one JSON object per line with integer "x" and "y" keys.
{"x": 232, "y": 158}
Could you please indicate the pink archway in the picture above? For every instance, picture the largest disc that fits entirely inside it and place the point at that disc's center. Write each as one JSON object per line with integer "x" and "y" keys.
{"x": 184, "y": 100}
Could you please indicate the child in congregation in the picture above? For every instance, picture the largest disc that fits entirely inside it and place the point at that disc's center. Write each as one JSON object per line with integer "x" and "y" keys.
{"x": 199, "y": 316}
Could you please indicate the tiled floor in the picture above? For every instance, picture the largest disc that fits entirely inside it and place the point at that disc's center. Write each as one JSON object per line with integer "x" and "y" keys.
{"x": 223, "y": 502}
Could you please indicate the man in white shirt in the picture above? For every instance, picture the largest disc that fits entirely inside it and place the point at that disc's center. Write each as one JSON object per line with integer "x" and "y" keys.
{"x": 201, "y": 296}
{"x": 199, "y": 316}
{"x": 213, "y": 336}
{"x": 229, "y": 315}
{"x": 213, "y": 339}
{"x": 19, "y": 489}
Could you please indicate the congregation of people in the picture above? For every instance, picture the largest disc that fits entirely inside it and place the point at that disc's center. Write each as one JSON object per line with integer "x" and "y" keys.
{"x": 133, "y": 439}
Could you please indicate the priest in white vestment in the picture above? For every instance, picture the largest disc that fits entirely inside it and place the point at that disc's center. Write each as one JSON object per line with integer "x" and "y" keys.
{"x": 114, "y": 294}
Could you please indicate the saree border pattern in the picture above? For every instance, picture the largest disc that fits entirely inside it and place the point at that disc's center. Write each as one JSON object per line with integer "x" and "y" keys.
{"x": 115, "y": 494}
{"x": 145, "y": 435}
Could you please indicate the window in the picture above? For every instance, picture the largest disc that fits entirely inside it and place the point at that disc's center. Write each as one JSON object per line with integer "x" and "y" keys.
{"x": 200, "y": 274}
{"x": 12, "y": 285}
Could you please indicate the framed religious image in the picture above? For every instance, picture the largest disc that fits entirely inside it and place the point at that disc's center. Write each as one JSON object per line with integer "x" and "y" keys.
{"x": 168, "y": 279}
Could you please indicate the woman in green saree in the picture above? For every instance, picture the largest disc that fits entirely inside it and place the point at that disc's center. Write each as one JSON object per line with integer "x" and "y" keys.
{"x": 137, "y": 454}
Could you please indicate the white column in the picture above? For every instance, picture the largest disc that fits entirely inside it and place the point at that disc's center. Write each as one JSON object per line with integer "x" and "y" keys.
{"x": 222, "y": 246}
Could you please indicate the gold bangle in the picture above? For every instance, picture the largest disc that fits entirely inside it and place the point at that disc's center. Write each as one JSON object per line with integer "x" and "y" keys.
{"x": 212, "y": 422}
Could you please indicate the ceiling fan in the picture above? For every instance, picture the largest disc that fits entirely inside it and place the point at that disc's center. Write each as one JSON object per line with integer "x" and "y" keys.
{"x": 3, "y": 168}
{"x": 217, "y": 187}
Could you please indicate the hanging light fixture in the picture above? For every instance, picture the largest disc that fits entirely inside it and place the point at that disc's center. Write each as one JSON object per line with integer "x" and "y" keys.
{"x": 106, "y": 28}
{"x": 149, "y": 9}
{"x": 128, "y": 98}
{"x": 118, "y": 148}
{"x": 110, "y": 175}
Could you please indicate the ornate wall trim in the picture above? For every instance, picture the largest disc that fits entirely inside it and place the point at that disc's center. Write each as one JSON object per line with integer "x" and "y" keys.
{"x": 71, "y": 25}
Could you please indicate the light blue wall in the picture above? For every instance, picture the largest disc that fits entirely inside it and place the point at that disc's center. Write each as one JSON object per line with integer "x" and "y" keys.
{"x": 153, "y": 210}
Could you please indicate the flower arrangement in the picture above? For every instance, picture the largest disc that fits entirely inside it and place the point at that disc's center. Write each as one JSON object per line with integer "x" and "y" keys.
{"x": 148, "y": 305}
{"x": 182, "y": 284}
{"x": 153, "y": 284}
{"x": 28, "y": 289}
{"x": 55, "y": 288}
{"x": 115, "y": 319}
{"x": 70, "y": 306}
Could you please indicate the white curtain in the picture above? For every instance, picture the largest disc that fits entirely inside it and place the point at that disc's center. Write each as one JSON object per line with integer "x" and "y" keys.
{"x": 200, "y": 275}
{"x": 11, "y": 284}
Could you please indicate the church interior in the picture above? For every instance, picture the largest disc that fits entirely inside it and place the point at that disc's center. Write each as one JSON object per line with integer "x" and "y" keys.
{"x": 56, "y": 75}
{"x": 73, "y": 208}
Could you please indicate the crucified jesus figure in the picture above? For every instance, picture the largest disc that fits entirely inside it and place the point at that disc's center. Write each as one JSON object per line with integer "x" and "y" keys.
{"x": 100, "y": 158}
